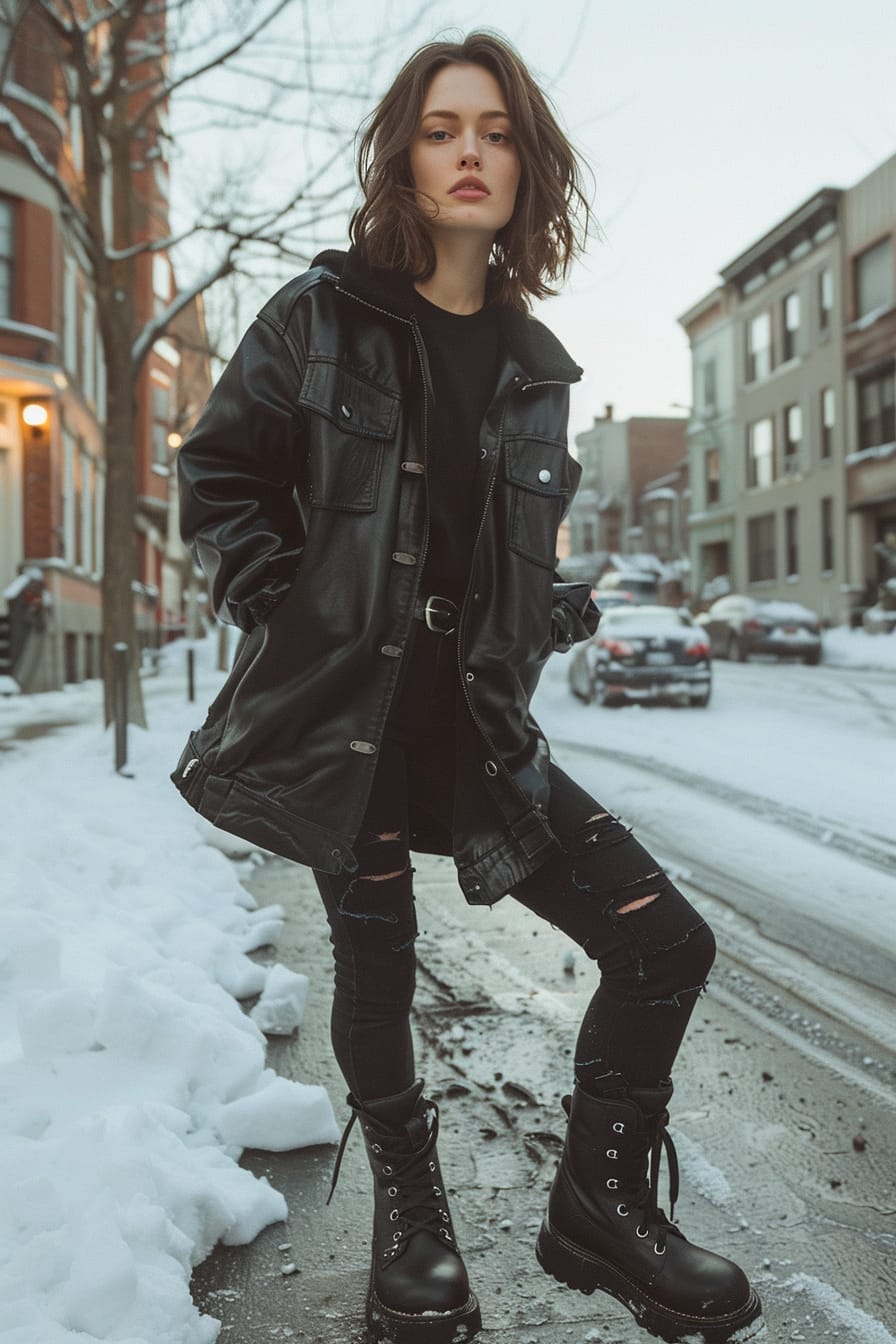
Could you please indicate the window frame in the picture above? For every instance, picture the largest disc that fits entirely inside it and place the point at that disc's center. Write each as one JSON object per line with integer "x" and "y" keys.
{"x": 761, "y": 549}
{"x": 8, "y": 260}
{"x": 754, "y": 481}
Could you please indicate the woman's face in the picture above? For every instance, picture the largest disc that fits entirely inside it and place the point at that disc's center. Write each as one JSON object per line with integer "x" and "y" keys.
{"x": 465, "y": 133}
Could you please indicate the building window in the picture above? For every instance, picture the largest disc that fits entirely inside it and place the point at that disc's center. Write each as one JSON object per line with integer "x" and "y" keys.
{"x": 761, "y": 547}
{"x": 709, "y": 387}
{"x": 825, "y": 299}
{"x": 760, "y": 455}
{"x": 712, "y": 476}
{"x": 759, "y": 347}
{"x": 88, "y": 558}
{"x": 791, "y": 552}
{"x": 69, "y": 523}
{"x": 589, "y": 537}
{"x": 876, "y": 410}
{"x": 6, "y": 258}
{"x": 827, "y": 423}
{"x": 793, "y": 439}
{"x": 70, "y": 316}
{"x": 791, "y": 312}
{"x": 161, "y": 416}
{"x": 827, "y": 534}
{"x": 874, "y": 279}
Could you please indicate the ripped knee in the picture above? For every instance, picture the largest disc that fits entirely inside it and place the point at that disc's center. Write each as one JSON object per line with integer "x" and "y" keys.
{"x": 381, "y": 877}
{"x": 636, "y": 905}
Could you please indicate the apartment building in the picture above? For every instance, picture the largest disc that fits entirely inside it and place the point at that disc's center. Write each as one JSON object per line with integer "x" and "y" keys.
{"x": 53, "y": 392}
{"x": 633, "y": 487}
{"x": 869, "y": 342}
{"x": 787, "y": 342}
{"x": 712, "y": 442}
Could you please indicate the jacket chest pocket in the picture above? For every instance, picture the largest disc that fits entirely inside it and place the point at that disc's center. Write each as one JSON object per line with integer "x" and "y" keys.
{"x": 350, "y": 424}
{"x": 537, "y": 476}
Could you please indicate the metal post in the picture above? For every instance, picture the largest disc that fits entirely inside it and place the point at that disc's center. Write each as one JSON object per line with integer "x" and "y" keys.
{"x": 191, "y": 674}
{"x": 120, "y": 703}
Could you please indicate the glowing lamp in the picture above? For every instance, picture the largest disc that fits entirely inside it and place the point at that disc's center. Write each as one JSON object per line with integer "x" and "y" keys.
{"x": 35, "y": 415}
{"x": 175, "y": 440}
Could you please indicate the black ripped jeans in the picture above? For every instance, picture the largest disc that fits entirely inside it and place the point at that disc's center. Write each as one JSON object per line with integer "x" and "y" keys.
{"x": 653, "y": 950}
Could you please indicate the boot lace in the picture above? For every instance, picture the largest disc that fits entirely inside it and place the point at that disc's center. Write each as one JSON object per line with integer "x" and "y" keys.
{"x": 639, "y": 1174}
{"x": 413, "y": 1186}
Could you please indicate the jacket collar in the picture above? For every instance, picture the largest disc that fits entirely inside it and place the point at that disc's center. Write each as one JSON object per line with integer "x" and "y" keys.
{"x": 532, "y": 345}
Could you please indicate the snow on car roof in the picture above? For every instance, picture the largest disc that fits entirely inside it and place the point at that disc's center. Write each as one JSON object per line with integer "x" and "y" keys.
{"x": 787, "y": 611}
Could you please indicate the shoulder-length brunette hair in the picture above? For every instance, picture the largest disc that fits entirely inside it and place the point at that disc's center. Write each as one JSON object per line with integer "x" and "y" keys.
{"x": 551, "y": 215}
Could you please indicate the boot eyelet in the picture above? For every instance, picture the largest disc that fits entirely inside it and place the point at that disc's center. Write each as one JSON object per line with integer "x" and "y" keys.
{"x": 387, "y": 1171}
{"x": 622, "y": 1210}
{"x": 445, "y": 1218}
{"x": 657, "y": 1250}
{"x": 396, "y": 1236}
{"x": 612, "y": 1184}
{"x": 444, "y": 1232}
{"x": 393, "y": 1216}
{"x": 392, "y": 1191}
{"x": 642, "y": 1234}
{"x": 612, "y": 1154}
{"x": 375, "y": 1148}
{"x": 619, "y": 1128}
{"x": 432, "y": 1166}
{"x": 437, "y": 1192}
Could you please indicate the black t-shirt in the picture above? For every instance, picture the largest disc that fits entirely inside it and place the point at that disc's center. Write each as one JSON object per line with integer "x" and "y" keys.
{"x": 463, "y": 355}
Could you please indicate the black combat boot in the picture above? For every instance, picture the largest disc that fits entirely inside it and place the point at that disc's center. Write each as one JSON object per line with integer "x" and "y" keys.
{"x": 419, "y": 1292}
{"x": 604, "y": 1228}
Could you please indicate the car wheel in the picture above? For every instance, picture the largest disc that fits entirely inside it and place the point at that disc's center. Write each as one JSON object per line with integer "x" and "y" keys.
{"x": 736, "y": 651}
{"x": 602, "y": 698}
{"x": 700, "y": 701}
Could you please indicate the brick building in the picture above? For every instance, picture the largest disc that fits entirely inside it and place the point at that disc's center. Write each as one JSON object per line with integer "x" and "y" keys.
{"x": 633, "y": 495}
{"x": 53, "y": 385}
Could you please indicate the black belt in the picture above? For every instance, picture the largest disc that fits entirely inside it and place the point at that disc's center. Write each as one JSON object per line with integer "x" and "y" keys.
{"x": 439, "y": 613}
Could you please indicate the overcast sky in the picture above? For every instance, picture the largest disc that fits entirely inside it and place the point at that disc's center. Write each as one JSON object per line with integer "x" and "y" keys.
{"x": 705, "y": 123}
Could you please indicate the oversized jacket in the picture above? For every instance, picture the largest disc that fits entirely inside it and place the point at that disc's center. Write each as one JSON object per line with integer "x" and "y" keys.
{"x": 304, "y": 495}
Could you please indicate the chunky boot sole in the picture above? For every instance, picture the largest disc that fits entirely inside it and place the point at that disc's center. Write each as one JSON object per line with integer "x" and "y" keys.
{"x": 586, "y": 1272}
{"x": 385, "y": 1326}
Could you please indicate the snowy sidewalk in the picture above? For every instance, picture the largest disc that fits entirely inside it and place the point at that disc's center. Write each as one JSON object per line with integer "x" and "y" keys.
{"x": 130, "y": 1077}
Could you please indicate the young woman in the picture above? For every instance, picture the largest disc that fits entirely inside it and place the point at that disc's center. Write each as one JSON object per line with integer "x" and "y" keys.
{"x": 374, "y": 492}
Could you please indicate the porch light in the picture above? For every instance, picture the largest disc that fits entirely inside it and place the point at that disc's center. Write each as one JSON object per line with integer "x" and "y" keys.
{"x": 35, "y": 414}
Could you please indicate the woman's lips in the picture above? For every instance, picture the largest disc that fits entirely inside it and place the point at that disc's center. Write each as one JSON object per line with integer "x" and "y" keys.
{"x": 470, "y": 193}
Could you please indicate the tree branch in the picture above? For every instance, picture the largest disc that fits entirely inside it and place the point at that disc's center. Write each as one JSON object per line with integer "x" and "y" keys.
{"x": 215, "y": 62}
{"x": 157, "y": 327}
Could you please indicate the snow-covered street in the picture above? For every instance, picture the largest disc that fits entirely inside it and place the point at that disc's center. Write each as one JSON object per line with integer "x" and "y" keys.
{"x": 130, "y": 1079}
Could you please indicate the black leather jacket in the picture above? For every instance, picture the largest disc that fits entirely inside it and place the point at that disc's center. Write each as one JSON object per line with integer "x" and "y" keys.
{"x": 304, "y": 494}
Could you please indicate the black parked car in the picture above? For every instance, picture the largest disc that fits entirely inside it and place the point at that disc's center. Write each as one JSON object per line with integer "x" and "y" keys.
{"x": 643, "y": 653}
{"x": 738, "y": 626}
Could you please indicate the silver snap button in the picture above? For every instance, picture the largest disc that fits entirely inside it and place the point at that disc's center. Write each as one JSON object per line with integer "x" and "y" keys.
{"x": 367, "y": 748}
{"x": 544, "y": 475}
{"x": 404, "y": 558}
{"x": 346, "y": 410}
{"x": 471, "y": 676}
{"x": 391, "y": 650}
{"x": 491, "y": 768}
{"x": 415, "y": 467}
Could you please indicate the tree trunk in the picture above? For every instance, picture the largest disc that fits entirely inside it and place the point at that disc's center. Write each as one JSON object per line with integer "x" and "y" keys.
{"x": 120, "y": 541}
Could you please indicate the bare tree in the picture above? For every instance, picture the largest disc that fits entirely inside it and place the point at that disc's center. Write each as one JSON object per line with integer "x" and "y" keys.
{"x": 245, "y": 75}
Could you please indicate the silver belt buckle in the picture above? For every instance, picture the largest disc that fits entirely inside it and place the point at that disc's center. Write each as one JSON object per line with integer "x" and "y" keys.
{"x": 449, "y": 609}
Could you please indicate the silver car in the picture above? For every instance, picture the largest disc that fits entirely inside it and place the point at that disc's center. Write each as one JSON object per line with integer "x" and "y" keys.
{"x": 643, "y": 653}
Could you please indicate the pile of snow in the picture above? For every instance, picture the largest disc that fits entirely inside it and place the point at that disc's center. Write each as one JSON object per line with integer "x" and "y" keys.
{"x": 130, "y": 1078}
{"x": 843, "y": 647}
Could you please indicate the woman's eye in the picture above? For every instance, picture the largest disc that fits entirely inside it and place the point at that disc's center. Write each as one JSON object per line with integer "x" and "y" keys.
{"x": 439, "y": 136}
{"x": 496, "y": 137}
